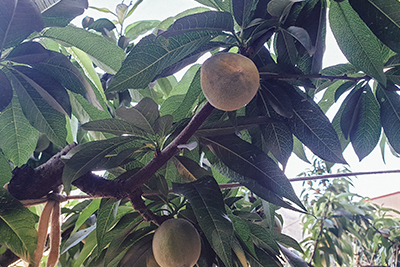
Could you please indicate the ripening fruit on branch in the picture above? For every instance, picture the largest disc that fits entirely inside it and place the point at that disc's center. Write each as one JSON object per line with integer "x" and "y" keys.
{"x": 176, "y": 243}
{"x": 229, "y": 81}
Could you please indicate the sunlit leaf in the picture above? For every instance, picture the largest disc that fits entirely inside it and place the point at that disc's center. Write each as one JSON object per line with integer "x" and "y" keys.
{"x": 40, "y": 114}
{"x": 138, "y": 28}
{"x": 105, "y": 54}
{"x": 105, "y": 218}
{"x": 152, "y": 55}
{"x": 5, "y": 170}
{"x": 17, "y": 137}
{"x": 17, "y": 226}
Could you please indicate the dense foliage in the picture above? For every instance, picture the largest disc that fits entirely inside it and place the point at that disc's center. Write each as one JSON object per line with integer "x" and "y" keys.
{"x": 103, "y": 98}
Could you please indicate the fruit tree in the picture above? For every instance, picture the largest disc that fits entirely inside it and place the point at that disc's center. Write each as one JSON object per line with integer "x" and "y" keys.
{"x": 101, "y": 144}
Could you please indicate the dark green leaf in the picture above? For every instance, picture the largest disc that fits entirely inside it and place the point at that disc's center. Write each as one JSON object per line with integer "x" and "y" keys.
{"x": 39, "y": 113}
{"x": 243, "y": 11}
{"x": 142, "y": 116}
{"x": 277, "y": 97}
{"x": 302, "y": 36}
{"x": 162, "y": 125}
{"x": 113, "y": 126}
{"x": 101, "y": 24}
{"x": 336, "y": 70}
{"x": 104, "y": 54}
{"x": 29, "y": 53}
{"x": 310, "y": 125}
{"x": 19, "y": 18}
{"x": 298, "y": 150}
{"x": 365, "y": 135}
{"x": 60, "y": 13}
{"x": 5, "y": 170}
{"x": 17, "y": 139}
{"x": 251, "y": 162}
{"x": 390, "y": 115}
{"x": 286, "y": 49}
{"x": 263, "y": 259}
{"x": 6, "y": 92}
{"x": 242, "y": 230}
{"x": 294, "y": 260}
{"x": 17, "y": 226}
{"x": 383, "y": 18}
{"x": 105, "y": 219}
{"x": 138, "y": 253}
{"x": 152, "y": 55}
{"x": 344, "y": 87}
{"x": 60, "y": 67}
{"x": 136, "y": 29}
{"x": 355, "y": 39}
{"x": 262, "y": 237}
{"x": 205, "y": 21}
{"x": 49, "y": 89}
{"x": 351, "y": 111}
{"x": 90, "y": 156}
{"x": 205, "y": 197}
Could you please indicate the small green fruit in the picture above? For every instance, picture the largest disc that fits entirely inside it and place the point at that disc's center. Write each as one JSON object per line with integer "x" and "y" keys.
{"x": 176, "y": 243}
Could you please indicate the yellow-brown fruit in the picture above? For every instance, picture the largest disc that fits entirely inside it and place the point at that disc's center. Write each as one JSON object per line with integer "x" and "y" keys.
{"x": 229, "y": 81}
{"x": 176, "y": 243}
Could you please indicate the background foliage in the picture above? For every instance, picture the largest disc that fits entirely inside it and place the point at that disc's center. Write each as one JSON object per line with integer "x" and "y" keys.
{"x": 109, "y": 87}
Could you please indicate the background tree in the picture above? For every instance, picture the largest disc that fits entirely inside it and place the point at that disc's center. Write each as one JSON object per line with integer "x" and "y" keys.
{"x": 76, "y": 100}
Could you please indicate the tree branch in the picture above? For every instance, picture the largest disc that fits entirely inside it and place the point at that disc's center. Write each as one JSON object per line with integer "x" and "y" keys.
{"x": 286, "y": 76}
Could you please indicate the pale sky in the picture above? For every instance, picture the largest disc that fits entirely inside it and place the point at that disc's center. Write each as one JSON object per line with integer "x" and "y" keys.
{"x": 370, "y": 186}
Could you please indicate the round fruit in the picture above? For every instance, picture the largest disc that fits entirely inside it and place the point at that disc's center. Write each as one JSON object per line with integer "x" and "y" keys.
{"x": 176, "y": 243}
{"x": 229, "y": 81}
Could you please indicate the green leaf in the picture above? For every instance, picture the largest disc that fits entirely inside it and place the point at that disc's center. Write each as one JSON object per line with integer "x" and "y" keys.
{"x": 294, "y": 259}
{"x": 152, "y": 55}
{"x": 351, "y": 111}
{"x": 310, "y": 125}
{"x": 113, "y": 126}
{"x": 88, "y": 248}
{"x": 298, "y": 150}
{"x": 90, "y": 156}
{"x": 188, "y": 169}
{"x": 85, "y": 111}
{"x": 39, "y": 113}
{"x": 76, "y": 238}
{"x": 17, "y": 226}
{"x": 285, "y": 47}
{"x": 48, "y": 88}
{"x": 86, "y": 213}
{"x": 6, "y": 92}
{"x": 383, "y": 18}
{"x": 60, "y": 13}
{"x": 60, "y": 67}
{"x": 243, "y": 11}
{"x": 263, "y": 238}
{"x": 272, "y": 93}
{"x": 101, "y": 24}
{"x": 242, "y": 230}
{"x": 105, "y": 219}
{"x": 221, "y": 5}
{"x": 5, "y": 170}
{"x": 162, "y": 125}
{"x": 19, "y": 20}
{"x": 17, "y": 137}
{"x": 367, "y": 130}
{"x": 390, "y": 115}
{"x": 142, "y": 116}
{"x": 138, "y": 28}
{"x": 355, "y": 39}
{"x": 249, "y": 161}
{"x": 138, "y": 253}
{"x": 263, "y": 259}
{"x": 205, "y": 197}
{"x": 105, "y": 54}
{"x": 205, "y": 21}
{"x": 301, "y": 35}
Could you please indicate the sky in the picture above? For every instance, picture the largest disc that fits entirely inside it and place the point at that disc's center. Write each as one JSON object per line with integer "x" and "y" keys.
{"x": 368, "y": 186}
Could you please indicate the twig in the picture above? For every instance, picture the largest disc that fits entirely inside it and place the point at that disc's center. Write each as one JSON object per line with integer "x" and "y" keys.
{"x": 319, "y": 177}
{"x": 285, "y": 76}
